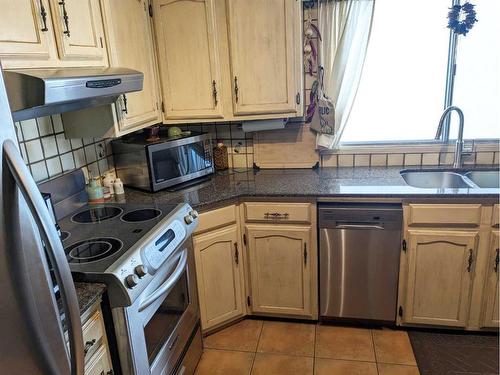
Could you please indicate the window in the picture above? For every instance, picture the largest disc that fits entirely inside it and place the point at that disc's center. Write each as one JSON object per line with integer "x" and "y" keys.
{"x": 402, "y": 90}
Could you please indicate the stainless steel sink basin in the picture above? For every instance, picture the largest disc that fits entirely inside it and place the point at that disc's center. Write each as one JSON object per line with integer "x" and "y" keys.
{"x": 435, "y": 179}
{"x": 484, "y": 179}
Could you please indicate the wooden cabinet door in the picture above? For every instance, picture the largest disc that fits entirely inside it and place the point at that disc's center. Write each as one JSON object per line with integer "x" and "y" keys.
{"x": 263, "y": 41}
{"x": 188, "y": 54}
{"x": 219, "y": 274}
{"x": 130, "y": 44}
{"x": 280, "y": 271}
{"x": 491, "y": 313}
{"x": 79, "y": 31}
{"x": 440, "y": 273}
{"x": 26, "y": 30}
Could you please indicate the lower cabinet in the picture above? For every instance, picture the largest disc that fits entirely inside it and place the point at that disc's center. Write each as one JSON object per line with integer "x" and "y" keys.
{"x": 491, "y": 317}
{"x": 280, "y": 269}
{"x": 219, "y": 272}
{"x": 100, "y": 363}
{"x": 440, "y": 272}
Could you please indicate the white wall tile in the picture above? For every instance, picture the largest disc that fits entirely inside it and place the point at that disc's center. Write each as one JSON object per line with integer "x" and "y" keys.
{"x": 34, "y": 150}
{"x": 346, "y": 160}
{"x": 30, "y": 130}
{"x": 19, "y": 133}
{"x": 413, "y": 159}
{"x": 63, "y": 144}
{"x": 54, "y": 166}
{"x": 395, "y": 159}
{"x": 76, "y": 143}
{"x": 67, "y": 162}
{"x": 485, "y": 158}
{"x": 58, "y": 124}
{"x": 90, "y": 153}
{"x": 379, "y": 160}
{"x": 49, "y": 146}
{"x": 329, "y": 160}
{"x": 361, "y": 160}
{"x": 45, "y": 126}
{"x": 79, "y": 156}
{"x": 430, "y": 159}
{"x": 39, "y": 171}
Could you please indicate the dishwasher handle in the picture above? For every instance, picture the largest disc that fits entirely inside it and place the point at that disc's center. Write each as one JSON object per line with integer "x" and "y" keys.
{"x": 368, "y": 226}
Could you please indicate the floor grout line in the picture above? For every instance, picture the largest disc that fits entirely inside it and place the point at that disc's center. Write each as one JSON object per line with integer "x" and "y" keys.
{"x": 257, "y": 346}
{"x": 374, "y": 351}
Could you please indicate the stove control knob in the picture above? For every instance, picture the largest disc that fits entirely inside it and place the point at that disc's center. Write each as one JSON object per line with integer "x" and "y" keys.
{"x": 141, "y": 271}
{"x": 194, "y": 214}
{"x": 188, "y": 219}
{"x": 131, "y": 281}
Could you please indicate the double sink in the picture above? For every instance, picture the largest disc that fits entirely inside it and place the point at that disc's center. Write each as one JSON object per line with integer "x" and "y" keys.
{"x": 455, "y": 179}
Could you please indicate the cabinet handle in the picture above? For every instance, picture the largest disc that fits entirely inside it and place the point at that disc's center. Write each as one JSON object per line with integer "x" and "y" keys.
{"x": 88, "y": 345}
{"x": 43, "y": 13}
{"x": 470, "y": 260}
{"x": 305, "y": 254}
{"x": 65, "y": 17}
{"x": 497, "y": 260}
{"x": 276, "y": 215}
{"x": 125, "y": 108}
{"x": 236, "y": 253}
{"x": 110, "y": 372}
{"x": 236, "y": 89}
{"x": 214, "y": 91}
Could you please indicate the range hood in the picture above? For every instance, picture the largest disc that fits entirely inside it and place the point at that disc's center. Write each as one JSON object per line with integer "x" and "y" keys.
{"x": 37, "y": 93}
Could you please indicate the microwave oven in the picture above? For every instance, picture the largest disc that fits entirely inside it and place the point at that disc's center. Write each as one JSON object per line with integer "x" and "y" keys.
{"x": 164, "y": 163}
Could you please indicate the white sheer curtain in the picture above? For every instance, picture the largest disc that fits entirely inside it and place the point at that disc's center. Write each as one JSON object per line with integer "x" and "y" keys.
{"x": 345, "y": 27}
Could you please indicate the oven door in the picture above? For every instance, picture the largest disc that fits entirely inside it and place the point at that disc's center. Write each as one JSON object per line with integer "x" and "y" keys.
{"x": 175, "y": 162}
{"x": 158, "y": 325}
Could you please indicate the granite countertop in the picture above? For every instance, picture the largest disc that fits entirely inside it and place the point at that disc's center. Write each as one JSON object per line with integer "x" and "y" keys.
{"x": 88, "y": 294}
{"x": 383, "y": 182}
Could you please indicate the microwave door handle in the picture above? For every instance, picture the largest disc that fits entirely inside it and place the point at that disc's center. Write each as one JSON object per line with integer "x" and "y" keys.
{"x": 168, "y": 285}
{"x": 55, "y": 251}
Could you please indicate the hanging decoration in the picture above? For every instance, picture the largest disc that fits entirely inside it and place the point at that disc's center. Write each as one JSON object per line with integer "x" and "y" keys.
{"x": 311, "y": 32}
{"x": 461, "y": 18}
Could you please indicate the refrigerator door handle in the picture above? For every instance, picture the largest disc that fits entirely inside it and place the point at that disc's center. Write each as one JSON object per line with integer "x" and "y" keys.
{"x": 55, "y": 251}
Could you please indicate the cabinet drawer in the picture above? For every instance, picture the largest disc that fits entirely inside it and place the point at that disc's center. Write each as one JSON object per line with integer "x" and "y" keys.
{"x": 459, "y": 214}
{"x": 100, "y": 364}
{"x": 92, "y": 334}
{"x": 216, "y": 218}
{"x": 278, "y": 212}
{"x": 496, "y": 212}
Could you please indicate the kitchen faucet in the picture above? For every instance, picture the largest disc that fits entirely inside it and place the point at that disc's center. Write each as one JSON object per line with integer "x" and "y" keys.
{"x": 457, "y": 163}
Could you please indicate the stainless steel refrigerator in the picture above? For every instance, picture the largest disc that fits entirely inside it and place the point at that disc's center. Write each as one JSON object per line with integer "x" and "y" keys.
{"x": 32, "y": 338}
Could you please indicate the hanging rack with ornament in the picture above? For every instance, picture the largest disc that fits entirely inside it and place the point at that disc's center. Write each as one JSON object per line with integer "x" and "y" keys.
{"x": 311, "y": 36}
{"x": 462, "y": 18}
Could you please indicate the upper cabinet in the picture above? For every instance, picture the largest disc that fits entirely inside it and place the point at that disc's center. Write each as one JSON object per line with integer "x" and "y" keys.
{"x": 78, "y": 29}
{"x": 229, "y": 60}
{"x": 263, "y": 41}
{"x": 130, "y": 44}
{"x": 26, "y": 30}
{"x": 51, "y": 33}
{"x": 188, "y": 59}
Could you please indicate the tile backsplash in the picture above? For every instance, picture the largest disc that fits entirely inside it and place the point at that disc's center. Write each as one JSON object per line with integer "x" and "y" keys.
{"x": 239, "y": 145}
{"x": 48, "y": 153}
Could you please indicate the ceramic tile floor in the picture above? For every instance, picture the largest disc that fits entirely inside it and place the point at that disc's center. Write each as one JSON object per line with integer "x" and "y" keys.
{"x": 273, "y": 348}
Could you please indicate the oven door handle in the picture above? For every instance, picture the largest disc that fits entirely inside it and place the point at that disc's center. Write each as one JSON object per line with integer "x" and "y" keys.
{"x": 167, "y": 286}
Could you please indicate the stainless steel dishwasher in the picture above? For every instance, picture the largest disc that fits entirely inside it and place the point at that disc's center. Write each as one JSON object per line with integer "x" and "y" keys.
{"x": 359, "y": 254}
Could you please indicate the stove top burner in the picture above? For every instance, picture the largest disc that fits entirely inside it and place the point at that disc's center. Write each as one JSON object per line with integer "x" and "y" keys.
{"x": 65, "y": 235}
{"x": 93, "y": 249}
{"x": 143, "y": 214}
{"x": 96, "y": 214}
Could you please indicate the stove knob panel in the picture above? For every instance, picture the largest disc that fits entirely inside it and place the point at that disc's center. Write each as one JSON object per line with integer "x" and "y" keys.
{"x": 194, "y": 214}
{"x": 188, "y": 219}
{"x": 141, "y": 271}
{"x": 131, "y": 281}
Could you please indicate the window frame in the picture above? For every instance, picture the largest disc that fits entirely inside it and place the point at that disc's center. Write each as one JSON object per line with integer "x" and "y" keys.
{"x": 427, "y": 144}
